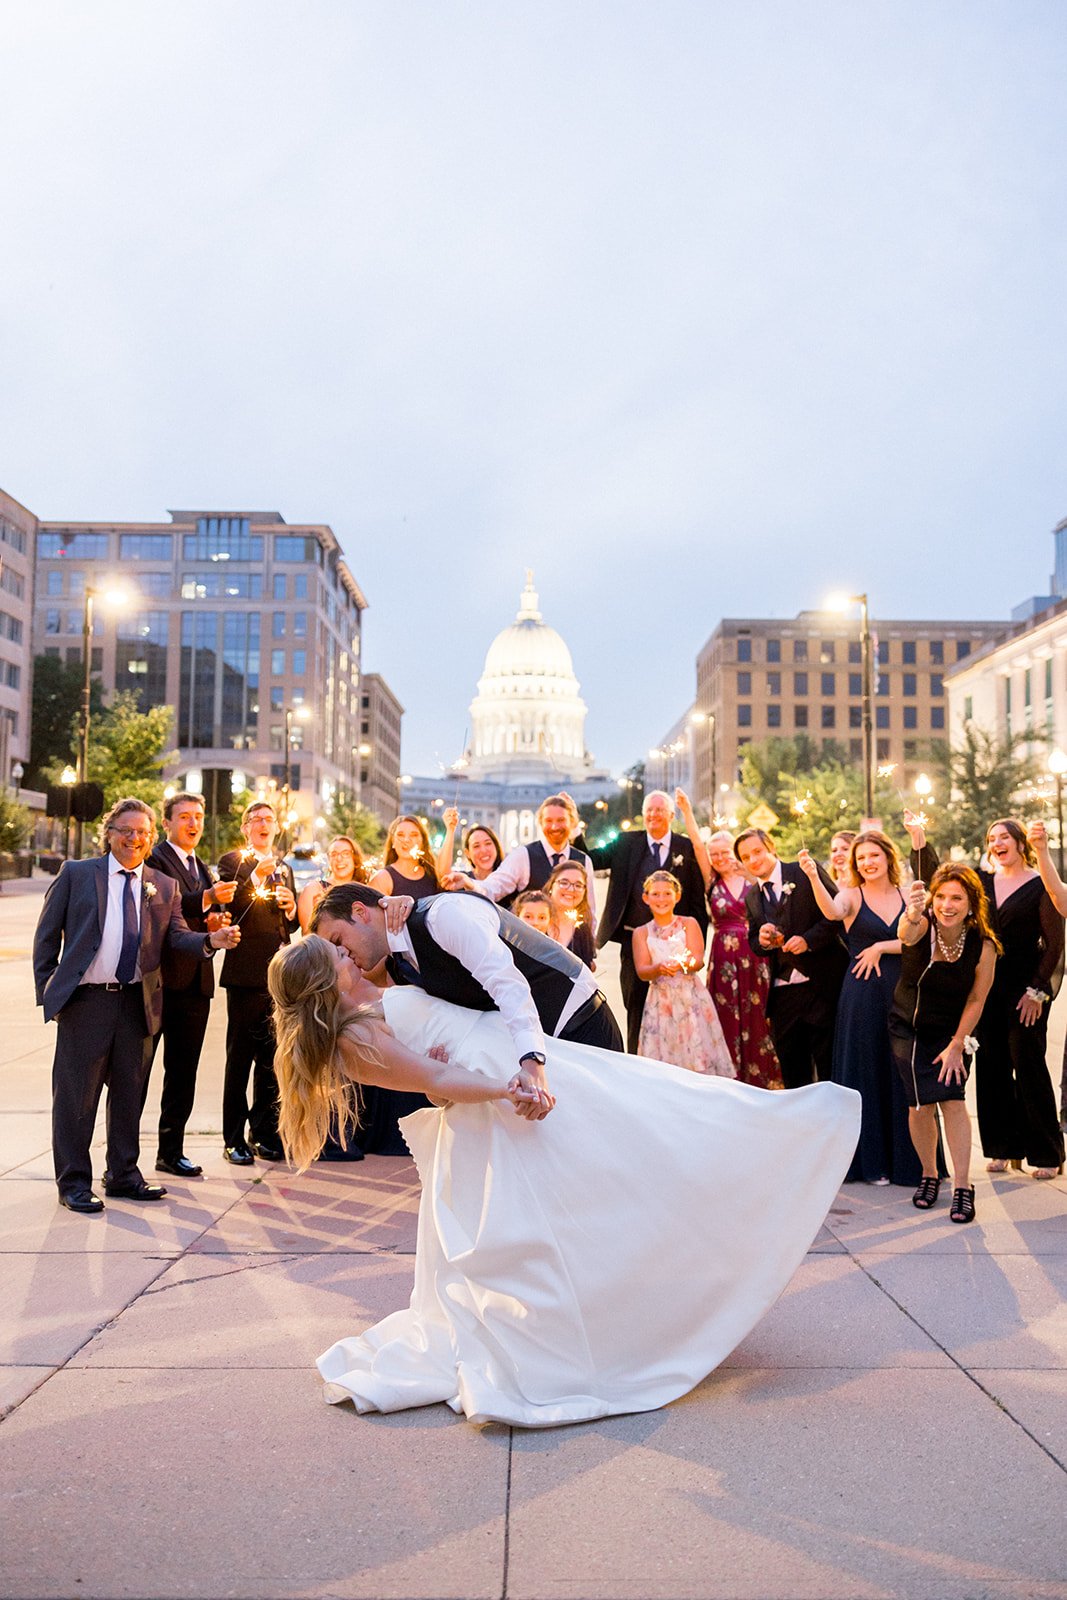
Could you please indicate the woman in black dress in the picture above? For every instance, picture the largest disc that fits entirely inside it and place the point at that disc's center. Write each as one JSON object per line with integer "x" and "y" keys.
{"x": 948, "y": 956}
{"x": 407, "y": 862}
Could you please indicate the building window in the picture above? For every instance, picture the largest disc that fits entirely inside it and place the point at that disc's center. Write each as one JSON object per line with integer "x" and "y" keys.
{"x": 744, "y": 649}
{"x": 883, "y": 683}
{"x": 300, "y": 624}
{"x": 963, "y": 648}
{"x": 911, "y": 717}
{"x": 299, "y": 663}
{"x": 222, "y": 539}
{"x": 774, "y": 716}
{"x": 882, "y": 749}
{"x": 800, "y": 716}
{"x": 71, "y": 546}
{"x": 908, "y": 683}
{"x": 1048, "y": 679}
{"x": 12, "y": 674}
{"x": 968, "y": 708}
{"x": 800, "y": 683}
{"x": 291, "y": 547}
{"x": 277, "y": 663}
{"x": 826, "y": 652}
{"x": 10, "y": 628}
{"x": 911, "y": 749}
{"x": 855, "y": 683}
{"x": 141, "y": 657}
{"x": 13, "y": 536}
{"x": 76, "y": 622}
{"x": 855, "y": 652}
{"x": 146, "y": 547}
{"x": 196, "y": 700}
{"x": 744, "y": 716}
{"x": 800, "y": 649}
{"x": 55, "y": 583}
{"x": 744, "y": 683}
{"x": 300, "y": 586}
{"x": 937, "y": 685}
{"x": 829, "y": 716}
{"x": 774, "y": 683}
{"x": 829, "y": 683}
{"x": 153, "y": 585}
{"x": 1027, "y": 683}
{"x": 883, "y": 652}
{"x": 908, "y": 652}
{"x": 937, "y": 652}
{"x": 277, "y": 697}
{"x": 220, "y": 584}
{"x": 774, "y": 649}
{"x": 881, "y": 716}
{"x": 855, "y": 749}
{"x": 855, "y": 716}
{"x": 279, "y": 585}
{"x": 278, "y": 625}
{"x": 937, "y": 717}
{"x": 240, "y": 679}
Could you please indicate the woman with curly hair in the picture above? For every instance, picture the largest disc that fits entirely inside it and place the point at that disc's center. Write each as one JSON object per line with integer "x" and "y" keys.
{"x": 948, "y": 955}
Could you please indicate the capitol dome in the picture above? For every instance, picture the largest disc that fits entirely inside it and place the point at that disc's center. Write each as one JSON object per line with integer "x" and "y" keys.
{"x": 528, "y": 717}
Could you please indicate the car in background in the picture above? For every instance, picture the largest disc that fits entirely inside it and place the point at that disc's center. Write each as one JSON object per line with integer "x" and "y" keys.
{"x": 308, "y": 865}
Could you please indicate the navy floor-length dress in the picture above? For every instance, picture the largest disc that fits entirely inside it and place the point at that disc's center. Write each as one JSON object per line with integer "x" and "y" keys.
{"x": 863, "y": 1059}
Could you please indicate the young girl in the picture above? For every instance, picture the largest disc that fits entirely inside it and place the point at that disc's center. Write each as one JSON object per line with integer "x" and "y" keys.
{"x": 536, "y": 908}
{"x": 568, "y": 890}
{"x": 680, "y": 1024}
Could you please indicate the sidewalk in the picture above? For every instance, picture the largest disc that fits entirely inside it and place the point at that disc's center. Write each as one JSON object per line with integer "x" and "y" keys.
{"x": 896, "y": 1426}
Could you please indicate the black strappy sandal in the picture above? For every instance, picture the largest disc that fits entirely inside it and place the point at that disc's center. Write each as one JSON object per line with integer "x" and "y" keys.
{"x": 962, "y": 1205}
{"x": 926, "y": 1194}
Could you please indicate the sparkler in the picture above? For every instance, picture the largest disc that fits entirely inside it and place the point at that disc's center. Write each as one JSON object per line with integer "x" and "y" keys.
{"x": 799, "y": 808}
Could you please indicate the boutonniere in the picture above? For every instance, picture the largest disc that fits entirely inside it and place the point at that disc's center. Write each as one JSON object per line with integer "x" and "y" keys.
{"x": 787, "y": 888}
{"x": 150, "y": 891}
{"x": 678, "y": 860}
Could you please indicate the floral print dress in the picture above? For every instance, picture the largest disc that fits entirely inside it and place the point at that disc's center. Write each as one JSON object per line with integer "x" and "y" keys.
{"x": 739, "y": 986}
{"x": 679, "y": 1024}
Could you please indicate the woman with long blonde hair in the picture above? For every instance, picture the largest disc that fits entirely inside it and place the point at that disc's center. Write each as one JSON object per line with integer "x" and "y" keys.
{"x": 532, "y": 1233}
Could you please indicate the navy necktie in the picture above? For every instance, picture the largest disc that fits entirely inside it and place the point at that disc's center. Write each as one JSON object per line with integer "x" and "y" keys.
{"x": 131, "y": 933}
{"x": 656, "y": 857}
{"x": 557, "y": 857}
{"x": 402, "y": 970}
{"x": 772, "y": 898}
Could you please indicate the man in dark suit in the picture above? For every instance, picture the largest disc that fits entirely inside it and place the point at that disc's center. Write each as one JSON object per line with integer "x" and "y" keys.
{"x": 630, "y": 858}
{"x": 96, "y": 964}
{"x": 264, "y": 905}
{"x": 805, "y": 954}
{"x": 188, "y": 983}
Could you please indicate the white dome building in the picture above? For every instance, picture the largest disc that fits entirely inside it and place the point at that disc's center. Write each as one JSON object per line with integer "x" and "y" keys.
{"x": 528, "y": 717}
{"x": 527, "y": 735}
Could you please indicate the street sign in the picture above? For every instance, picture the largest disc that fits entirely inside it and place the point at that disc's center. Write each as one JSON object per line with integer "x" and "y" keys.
{"x": 763, "y": 817}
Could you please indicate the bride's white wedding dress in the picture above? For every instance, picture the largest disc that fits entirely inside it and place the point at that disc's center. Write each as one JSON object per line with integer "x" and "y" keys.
{"x": 603, "y": 1260}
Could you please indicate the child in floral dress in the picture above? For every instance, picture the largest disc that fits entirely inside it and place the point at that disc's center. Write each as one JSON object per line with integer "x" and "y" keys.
{"x": 680, "y": 1024}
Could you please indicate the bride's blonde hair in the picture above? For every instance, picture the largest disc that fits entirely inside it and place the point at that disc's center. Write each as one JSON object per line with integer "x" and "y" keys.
{"x": 308, "y": 1022}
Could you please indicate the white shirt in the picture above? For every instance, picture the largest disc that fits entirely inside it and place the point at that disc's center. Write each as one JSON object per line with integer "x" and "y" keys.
{"x": 183, "y": 856}
{"x": 775, "y": 882}
{"x": 662, "y": 847}
{"x": 103, "y": 966}
{"x": 513, "y": 875}
{"x": 471, "y": 933}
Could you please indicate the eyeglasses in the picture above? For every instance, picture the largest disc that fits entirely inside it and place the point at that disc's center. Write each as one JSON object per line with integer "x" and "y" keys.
{"x": 132, "y": 835}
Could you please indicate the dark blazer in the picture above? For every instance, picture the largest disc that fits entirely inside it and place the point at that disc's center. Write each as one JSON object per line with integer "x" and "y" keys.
{"x": 181, "y": 971}
{"x": 826, "y": 958}
{"x": 626, "y": 858}
{"x": 264, "y": 927}
{"x": 71, "y": 926}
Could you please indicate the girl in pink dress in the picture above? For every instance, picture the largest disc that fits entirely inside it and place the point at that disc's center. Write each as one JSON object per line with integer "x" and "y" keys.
{"x": 679, "y": 1024}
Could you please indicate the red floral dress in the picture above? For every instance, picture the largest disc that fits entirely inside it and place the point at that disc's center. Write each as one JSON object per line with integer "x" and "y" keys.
{"x": 739, "y": 986}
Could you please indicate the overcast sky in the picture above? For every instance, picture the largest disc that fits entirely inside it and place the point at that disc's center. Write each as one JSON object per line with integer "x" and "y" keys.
{"x": 699, "y": 309}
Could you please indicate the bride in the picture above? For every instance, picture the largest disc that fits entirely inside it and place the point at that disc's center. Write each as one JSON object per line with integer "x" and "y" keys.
{"x": 597, "y": 1259}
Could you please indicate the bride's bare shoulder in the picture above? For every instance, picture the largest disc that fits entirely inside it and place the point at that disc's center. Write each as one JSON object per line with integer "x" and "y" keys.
{"x": 364, "y": 1045}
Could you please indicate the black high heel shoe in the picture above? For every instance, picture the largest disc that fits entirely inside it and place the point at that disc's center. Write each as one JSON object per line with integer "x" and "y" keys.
{"x": 926, "y": 1194}
{"x": 962, "y": 1205}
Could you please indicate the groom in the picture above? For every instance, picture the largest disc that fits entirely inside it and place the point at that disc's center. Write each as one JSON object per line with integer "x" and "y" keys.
{"x": 462, "y": 948}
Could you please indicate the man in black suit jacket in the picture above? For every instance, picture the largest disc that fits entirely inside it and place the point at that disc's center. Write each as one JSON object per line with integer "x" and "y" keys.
{"x": 805, "y": 954}
{"x": 96, "y": 964}
{"x": 188, "y": 984}
{"x": 630, "y": 858}
{"x": 264, "y": 904}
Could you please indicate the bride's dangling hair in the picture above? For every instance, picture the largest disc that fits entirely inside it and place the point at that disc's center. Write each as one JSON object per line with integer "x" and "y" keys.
{"x": 308, "y": 1021}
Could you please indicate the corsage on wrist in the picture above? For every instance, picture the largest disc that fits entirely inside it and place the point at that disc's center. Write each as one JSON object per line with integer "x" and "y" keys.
{"x": 1038, "y": 996}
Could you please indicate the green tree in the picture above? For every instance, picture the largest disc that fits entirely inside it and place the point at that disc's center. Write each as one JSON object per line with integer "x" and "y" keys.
{"x": 347, "y": 815}
{"x": 127, "y": 751}
{"x": 16, "y": 824}
{"x": 814, "y": 791}
{"x": 57, "y": 696}
{"x": 983, "y": 778}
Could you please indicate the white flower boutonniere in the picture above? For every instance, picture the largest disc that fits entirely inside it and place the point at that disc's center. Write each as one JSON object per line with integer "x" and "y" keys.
{"x": 787, "y": 888}
{"x": 150, "y": 891}
{"x": 678, "y": 860}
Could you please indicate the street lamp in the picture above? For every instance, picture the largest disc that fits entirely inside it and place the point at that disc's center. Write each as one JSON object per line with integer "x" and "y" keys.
{"x": 1057, "y": 765}
{"x": 68, "y": 778}
{"x": 841, "y": 603}
{"x": 299, "y": 713}
{"x": 115, "y": 596}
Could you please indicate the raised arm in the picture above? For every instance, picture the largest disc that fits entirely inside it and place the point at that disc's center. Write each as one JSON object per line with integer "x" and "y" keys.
{"x": 445, "y": 858}
{"x": 1055, "y": 887}
{"x": 700, "y": 850}
{"x": 913, "y": 924}
{"x": 836, "y": 907}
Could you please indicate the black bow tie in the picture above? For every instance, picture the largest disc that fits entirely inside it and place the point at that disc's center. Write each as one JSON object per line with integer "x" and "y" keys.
{"x": 402, "y": 970}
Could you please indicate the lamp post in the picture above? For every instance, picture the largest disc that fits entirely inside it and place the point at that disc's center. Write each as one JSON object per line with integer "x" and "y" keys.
{"x": 68, "y": 778}
{"x": 293, "y": 714}
{"x": 1057, "y": 765}
{"x": 841, "y": 603}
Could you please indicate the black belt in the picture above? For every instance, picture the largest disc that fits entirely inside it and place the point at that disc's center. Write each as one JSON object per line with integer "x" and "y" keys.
{"x": 110, "y": 988}
{"x": 584, "y": 1012}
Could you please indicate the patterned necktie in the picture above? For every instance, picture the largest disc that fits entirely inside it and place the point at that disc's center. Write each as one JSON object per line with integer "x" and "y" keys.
{"x": 131, "y": 933}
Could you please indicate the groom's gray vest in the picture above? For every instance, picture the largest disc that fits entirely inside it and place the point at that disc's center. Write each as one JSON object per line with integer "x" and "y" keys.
{"x": 550, "y": 970}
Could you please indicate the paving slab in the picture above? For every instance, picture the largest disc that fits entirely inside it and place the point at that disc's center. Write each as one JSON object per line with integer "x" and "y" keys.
{"x": 24, "y": 1136}
{"x": 1015, "y": 1215}
{"x": 1036, "y": 1399}
{"x": 341, "y": 1206}
{"x": 255, "y": 1311}
{"x": 791, "y": 1486}
{"x": 31, "y": 1218}
{"x": 17, "y": 1382}
{"x": 244, "y": 1484}
{"x": 1002, "y": 1311}
{"x": 53, "y": 1303}
{"x": 815, "y": 1322}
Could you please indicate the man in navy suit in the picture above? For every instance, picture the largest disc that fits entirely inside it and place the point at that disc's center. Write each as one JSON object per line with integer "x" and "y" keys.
{"x": 630, "y": 858}
{"x": 188, "y": 982}
{"x": 96, "y": 964}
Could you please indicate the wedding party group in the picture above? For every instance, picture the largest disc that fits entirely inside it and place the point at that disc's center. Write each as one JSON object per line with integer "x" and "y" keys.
{"x": 446, "y": 1004}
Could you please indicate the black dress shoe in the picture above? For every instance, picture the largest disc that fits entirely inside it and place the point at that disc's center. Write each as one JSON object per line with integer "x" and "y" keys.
{"x": 134, "y": 1191}
{"x": 181, "y": 1167}
{"x": 239, "y": 1154}
{"x": 82, "y": 1200}
{"x": 268, "y": 1152}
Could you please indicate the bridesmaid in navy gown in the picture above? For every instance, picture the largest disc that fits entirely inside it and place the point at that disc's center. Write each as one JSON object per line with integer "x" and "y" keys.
{"x": 863, "y": 1059}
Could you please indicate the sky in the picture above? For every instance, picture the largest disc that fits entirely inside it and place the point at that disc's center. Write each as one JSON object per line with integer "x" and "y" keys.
{"x": 698, "y": 310}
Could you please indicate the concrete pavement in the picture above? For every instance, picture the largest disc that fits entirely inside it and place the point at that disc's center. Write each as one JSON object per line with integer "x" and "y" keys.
{"x": 896, "y": 1426}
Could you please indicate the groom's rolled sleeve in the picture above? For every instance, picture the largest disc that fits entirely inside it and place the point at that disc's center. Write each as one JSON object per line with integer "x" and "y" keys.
{"x": 471, "y": 933}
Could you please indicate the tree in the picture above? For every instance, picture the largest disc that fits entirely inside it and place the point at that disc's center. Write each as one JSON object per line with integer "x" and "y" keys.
{"x": 984, "y": 777}
{"x": 127, "y": 751}
{"x": 16, "y": 824}
{"x": 348, "y": 816}
{"x": 57, "y": 698}
{"x": 815, "y": 792}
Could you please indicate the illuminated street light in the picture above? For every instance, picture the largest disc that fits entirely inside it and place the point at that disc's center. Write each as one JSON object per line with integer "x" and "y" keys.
{"x": 841, "y": 602}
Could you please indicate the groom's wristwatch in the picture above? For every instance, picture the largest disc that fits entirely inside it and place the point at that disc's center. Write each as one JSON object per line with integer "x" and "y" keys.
{"x": 532, "y": 1055}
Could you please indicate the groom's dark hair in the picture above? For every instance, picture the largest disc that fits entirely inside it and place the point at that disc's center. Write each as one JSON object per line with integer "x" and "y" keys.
{"x": 338, "y": 902}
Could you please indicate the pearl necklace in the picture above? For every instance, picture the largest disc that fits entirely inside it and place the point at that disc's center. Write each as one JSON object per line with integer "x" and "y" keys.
{"x": 949, "y": 952}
